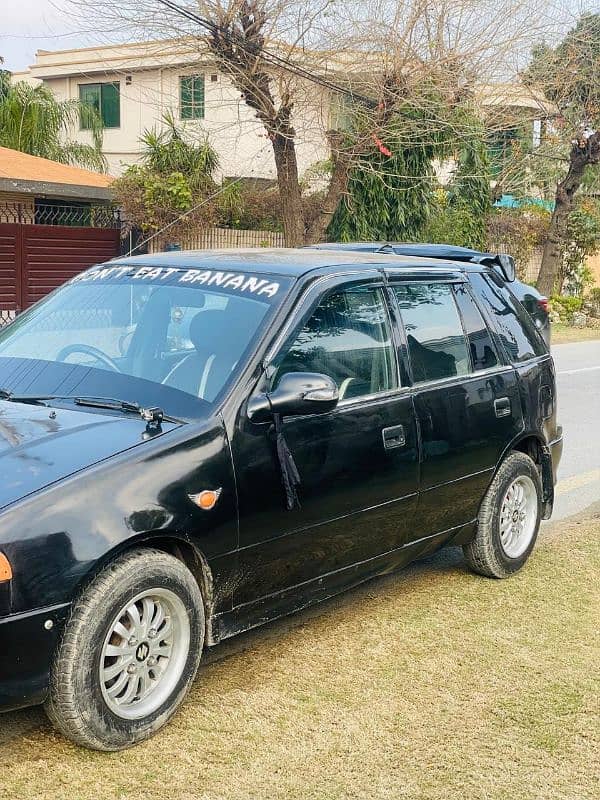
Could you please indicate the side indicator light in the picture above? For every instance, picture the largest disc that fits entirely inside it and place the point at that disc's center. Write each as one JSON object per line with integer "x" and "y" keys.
{"x": 207, "y": 499}
{"x": 6, "y": 572}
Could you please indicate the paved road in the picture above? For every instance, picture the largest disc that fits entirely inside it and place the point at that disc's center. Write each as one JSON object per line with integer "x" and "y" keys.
{"x": 578, "y": 367}
{"x": 578, "y": 384}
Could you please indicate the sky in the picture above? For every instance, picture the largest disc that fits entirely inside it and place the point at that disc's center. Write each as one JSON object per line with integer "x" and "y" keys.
{"x": 30, "y": 25}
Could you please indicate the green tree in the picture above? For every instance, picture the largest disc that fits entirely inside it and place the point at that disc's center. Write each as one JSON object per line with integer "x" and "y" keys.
{"x": 393, "y": 195}
{"x": 33, "y": 121}
{"x": 169, "y": 151}
{"x": 569, "y": 74}
{"x": 389, "y": 197}
{"x": 583, "y": 239}
{"x": 469, "y": 200}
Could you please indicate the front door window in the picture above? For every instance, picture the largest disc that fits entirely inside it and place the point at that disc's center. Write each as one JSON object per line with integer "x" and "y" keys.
{"x": 347, "y": 338}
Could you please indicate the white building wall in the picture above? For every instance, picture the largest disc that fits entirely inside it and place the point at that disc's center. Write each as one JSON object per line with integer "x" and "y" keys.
{"x": 237, "y": 136}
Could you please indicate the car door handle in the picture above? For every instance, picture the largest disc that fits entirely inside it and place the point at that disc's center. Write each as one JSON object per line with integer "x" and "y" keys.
{"x": 502, "y": 407}
{"x": 393, "y": 437}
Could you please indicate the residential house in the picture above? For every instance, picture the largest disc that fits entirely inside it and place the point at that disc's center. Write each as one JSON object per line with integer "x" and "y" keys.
{"x": 55, "y": 220}
{"x": 133, "y": 85}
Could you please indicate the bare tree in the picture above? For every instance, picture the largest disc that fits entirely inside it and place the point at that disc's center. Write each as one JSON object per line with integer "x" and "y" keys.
{"x": 371, "y": 58}
{"x": 570, "y": 75}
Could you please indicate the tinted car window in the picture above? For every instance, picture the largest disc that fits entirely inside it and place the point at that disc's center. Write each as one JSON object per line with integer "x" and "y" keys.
{"x": 483, "y": 352}
{"x": 347, "y": 338}
{"x": 436, "y": 340}
{"x": 517, "y": 332}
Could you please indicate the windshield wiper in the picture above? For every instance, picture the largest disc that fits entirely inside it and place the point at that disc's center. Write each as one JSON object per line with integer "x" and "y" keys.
{"x": 153, "y": 416}
{"x": 25, "y": 398}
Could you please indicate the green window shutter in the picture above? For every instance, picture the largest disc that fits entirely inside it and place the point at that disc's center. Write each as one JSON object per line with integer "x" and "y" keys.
{"x": 185, "y": 98}
{"x": 191, "y": 97}
{"x": 198, "y": 96}
{"x": 89, "y": 95}
{"x": 342, "y": 113}
{"x": 111, "y": 105}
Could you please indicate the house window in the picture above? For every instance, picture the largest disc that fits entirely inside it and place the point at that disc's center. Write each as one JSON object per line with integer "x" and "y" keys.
{"x": 191, "y": 97}
{"x": 105, "y": 98}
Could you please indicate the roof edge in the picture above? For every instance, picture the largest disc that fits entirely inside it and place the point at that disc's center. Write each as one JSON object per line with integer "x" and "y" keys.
{"x": 47, "y": 188}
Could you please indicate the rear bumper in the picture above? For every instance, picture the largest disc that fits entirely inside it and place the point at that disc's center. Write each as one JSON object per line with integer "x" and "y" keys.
{"x": 26, "y": 652}
{"x": 556, "y": 448}
{"x": 550, "y": 461}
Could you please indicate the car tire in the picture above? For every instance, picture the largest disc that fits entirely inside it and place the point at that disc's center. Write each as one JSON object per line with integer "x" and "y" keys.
{"x": 508, "y": 521}
{"x": 129, "y": 652}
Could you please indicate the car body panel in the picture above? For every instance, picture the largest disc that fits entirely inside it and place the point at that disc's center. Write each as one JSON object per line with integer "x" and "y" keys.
{"x": 462, "y": 441}
{"x": 58, "y": 537}
{"x": 39, "y": 446}
{"x": 349, "y": 482}
{"x": 27, "y": 645}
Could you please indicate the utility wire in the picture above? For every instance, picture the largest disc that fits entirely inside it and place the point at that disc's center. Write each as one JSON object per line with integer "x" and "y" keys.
{"x": 267, "y": 55}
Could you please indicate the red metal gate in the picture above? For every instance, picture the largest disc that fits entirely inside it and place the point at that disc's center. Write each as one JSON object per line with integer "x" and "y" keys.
{"x": 35, "y": 259}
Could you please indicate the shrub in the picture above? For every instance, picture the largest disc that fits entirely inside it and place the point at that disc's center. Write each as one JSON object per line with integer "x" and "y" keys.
{"x": 518, "y": 231}
{"x": 565, "y": 306}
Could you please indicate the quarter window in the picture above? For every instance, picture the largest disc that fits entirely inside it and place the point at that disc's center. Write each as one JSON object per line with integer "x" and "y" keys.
{"x": 483, "y": 352}
{"x": 105, "y": 99}
{"x": 436, "y": 341}
{"x": 517, "y": 332}
{"x": 347, "y": 338}
{"x": 191, "y": 97}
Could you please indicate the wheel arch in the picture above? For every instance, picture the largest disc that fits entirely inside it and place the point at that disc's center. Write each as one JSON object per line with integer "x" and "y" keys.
{"x": 180, "y": 547}
{"x": 533, "y": 445}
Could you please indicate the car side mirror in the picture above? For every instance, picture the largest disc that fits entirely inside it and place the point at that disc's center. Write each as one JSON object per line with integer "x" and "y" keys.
{"x": 297, "y": 393}
{"x": 507, "y": 266}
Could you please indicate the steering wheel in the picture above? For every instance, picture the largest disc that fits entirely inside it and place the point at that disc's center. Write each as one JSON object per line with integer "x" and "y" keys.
{"x": 90, "y": 351}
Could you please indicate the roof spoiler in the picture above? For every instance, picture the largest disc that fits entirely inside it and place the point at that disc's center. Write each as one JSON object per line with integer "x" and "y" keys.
{"x": 504, "y": 263}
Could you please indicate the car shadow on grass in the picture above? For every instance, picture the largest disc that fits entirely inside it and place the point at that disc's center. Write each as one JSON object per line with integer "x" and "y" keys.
{"x": 16, "y": 724}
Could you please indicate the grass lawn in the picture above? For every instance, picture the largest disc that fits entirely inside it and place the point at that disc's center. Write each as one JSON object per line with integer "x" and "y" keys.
{"x": 433, "y": 684}
{"x": 565, "y": 333}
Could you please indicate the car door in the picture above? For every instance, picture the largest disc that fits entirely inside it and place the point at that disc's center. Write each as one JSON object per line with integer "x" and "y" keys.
{"x": 358, "y": 463}
{"x": 466, "y": 400}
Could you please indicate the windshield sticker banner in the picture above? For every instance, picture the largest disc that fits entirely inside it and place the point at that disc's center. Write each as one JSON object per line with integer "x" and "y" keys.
{"x": 232, "y": 281}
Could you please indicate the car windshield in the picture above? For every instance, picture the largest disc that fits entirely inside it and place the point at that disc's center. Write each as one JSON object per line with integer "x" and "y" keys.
{"x": 158, "y": 336}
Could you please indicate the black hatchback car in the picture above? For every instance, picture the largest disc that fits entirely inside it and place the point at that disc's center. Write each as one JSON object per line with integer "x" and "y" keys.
{"x": 535, "y": 303}
{"x": 193, "y": 444}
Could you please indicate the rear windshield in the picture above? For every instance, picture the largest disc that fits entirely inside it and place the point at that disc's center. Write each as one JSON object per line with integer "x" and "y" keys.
{"x": 157, "y": 336}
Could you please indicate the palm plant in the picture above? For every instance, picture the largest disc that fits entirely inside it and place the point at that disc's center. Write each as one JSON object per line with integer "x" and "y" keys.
{"x": 33, "y": 121}
{"x": 167, "y": 151}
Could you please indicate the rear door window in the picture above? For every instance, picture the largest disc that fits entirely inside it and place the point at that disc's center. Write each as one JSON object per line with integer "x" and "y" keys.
{"x": 436, "y": 341}
{"x": 482, "y": 349}
{"x": 515, "y": 328}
